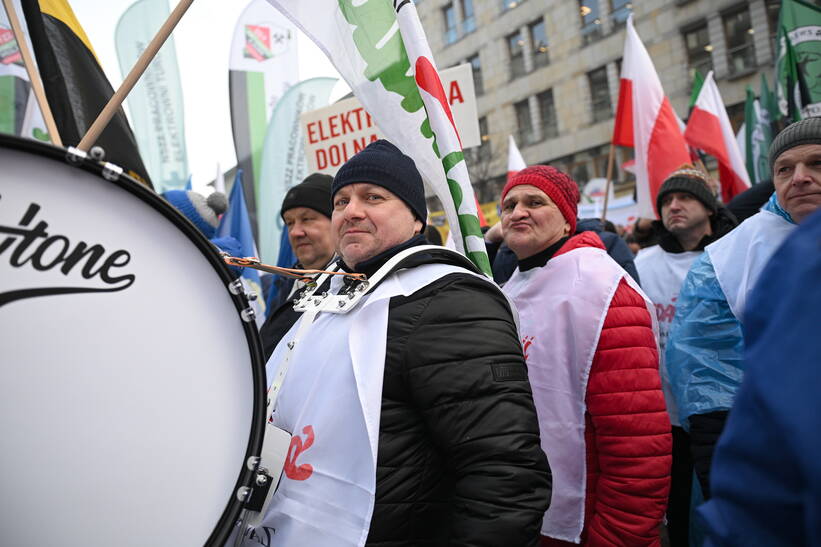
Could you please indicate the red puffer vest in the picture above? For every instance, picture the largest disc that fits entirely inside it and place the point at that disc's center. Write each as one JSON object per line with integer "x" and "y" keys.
{"x": 627, "y": 430}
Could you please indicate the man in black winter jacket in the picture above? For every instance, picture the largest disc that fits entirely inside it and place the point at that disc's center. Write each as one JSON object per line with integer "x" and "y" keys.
{"x": 306, "y": 212}
{"x": 407, "y": 394}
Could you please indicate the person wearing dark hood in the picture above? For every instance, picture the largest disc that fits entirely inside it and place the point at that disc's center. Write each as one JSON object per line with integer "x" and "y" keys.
{"x": 306, "y": 211}
{"x": 406, "y": 392}
{"x": 691, "y": 218}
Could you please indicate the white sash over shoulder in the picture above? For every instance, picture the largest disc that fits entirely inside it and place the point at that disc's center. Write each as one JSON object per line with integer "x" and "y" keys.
{"x": 331, "y": 401}
{"x": 562, "y": 307}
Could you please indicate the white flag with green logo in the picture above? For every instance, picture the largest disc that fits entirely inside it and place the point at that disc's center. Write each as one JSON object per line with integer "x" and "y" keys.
{"x": 381, "y": 51}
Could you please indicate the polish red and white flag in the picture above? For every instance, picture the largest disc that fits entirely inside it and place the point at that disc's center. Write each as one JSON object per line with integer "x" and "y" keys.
{"x": 515, "y": 161}
{"x": 710, "y": 130}
{"x": 645, "y": 120}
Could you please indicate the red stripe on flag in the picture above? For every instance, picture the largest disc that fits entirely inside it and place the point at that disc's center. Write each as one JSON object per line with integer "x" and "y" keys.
{"x": 428, "y": 79}
{"x": 704, "y": 131}
{"x": 666, "y": 150}
{"x": 731, "y": 183}
{"x": 480, "y": 214}
{"x": 623, "y": 128}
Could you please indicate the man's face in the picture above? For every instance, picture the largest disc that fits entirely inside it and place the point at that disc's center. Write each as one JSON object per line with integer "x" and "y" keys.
{"x": 682, "y": 212}
{"x": 797, "y": 179}
{"x": 531, "y": 222}
{"x": 368, "y": 220}
{"x": 309, "y": 233}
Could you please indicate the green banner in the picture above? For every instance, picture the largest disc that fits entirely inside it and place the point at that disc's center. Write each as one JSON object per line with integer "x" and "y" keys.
{"x": 156, "y": 102}
{"x": 798, "y": 60}
{"x": 758, "y": 136}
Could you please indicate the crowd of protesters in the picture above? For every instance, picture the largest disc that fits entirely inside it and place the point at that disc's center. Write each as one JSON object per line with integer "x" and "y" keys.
{"x": 601, "y": 389}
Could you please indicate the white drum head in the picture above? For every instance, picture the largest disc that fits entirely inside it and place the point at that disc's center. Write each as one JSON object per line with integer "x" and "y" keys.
{"x": 126, "y": 416}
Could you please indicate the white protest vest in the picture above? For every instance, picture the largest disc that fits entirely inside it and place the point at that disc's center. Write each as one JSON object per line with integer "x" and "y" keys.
{"x": 739, "y": 257}
{"x": 661, "y": 275}
{"x": 562, "y": 307}
{"x": 331, "y": 401}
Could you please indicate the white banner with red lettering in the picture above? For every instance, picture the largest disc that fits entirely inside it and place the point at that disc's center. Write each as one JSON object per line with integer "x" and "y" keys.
{"x": 335, "y": 133}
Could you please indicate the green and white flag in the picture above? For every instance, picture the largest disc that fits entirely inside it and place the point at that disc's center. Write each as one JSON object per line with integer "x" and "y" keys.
{"x": 380, "y": 49}
{"x": 155, "y": 104}
{"x": 757, "y": 138}
{"x": 798, "y": 60}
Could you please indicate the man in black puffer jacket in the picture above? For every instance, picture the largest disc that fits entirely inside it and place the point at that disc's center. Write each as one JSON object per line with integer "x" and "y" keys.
{"x": 407, "y": 394}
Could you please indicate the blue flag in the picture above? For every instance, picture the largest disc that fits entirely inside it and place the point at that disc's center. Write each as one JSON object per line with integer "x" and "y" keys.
{"x": 237, "y": 224}
{"x": 286, "y": 259}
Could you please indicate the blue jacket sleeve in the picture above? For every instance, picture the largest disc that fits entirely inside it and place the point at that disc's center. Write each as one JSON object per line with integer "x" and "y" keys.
{"x": 705, "y": 346}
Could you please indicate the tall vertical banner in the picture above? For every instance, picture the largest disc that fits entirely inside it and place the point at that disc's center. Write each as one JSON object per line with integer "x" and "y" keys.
{"x": 798, "y": 76}
{"x": 155, "y": 103}
{"x": 263, "y": 65}
{"x": 380, "y": 49}
{"x": 283, "y": 161}
{"x": 757, "y": 138}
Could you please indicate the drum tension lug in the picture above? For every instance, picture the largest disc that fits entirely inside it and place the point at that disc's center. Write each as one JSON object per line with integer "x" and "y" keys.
{"x": 112, "y": 172}
{"x": 262, "y": 483}
{"x": 248, "y": 315}
{"x": 75, "y": 155}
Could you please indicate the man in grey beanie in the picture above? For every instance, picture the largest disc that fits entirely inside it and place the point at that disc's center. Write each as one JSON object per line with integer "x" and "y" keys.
{"x": 705, "y": 347}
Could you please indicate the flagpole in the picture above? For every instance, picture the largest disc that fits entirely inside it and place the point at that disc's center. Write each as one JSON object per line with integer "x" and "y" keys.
{"x": 34, "y": 76}
{"x": 610, "y": 162}
{"x": 125, "y": 88}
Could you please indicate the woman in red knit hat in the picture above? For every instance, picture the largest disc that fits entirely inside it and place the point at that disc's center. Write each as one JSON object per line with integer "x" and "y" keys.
{"x": 589, "y": 340}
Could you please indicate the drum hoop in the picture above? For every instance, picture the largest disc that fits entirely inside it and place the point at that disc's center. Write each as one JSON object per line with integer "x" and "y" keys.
{"x": 230, "y": 514}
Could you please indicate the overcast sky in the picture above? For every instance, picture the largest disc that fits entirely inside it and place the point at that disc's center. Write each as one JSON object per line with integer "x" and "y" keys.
{"x": 202, "y": 40}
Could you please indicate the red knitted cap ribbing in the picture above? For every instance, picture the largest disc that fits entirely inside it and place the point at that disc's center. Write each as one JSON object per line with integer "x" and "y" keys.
{"x": 557, "y": 185}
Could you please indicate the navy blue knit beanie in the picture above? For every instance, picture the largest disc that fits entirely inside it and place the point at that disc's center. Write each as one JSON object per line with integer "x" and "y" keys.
{"x": 383, "y": 164}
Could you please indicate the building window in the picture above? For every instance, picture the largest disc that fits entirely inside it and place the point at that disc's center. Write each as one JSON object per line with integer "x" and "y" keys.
{"x": 547, "y": 113}
{"x": 699, "y": 50}
{"x": 600, "y": 94}
{"x": 526, "y": 133}
{"x": 591, "y": 21}
{"x": 515, "y": 46}
{"x": 739, "y": 34}
{"x": 476, "y": 65}
{"x": 773, "y": 11}
{"x": 620, "y": 10}
{"x": 736, "y": 114}
{"x": 449, "y": 15}
{"x": 469, "y": 22}
{"x": 538, "y": 37}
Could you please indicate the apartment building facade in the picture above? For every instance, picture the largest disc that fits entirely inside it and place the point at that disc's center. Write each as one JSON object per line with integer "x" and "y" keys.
{"x": 547, "y": 71}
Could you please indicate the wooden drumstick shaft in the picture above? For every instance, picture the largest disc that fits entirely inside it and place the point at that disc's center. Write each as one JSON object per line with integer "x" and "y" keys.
{"x": 34, "y": 76}
{"x": 125, "y": 88}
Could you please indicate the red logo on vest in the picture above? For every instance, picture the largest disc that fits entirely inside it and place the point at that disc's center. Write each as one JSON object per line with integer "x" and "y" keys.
{"x": 292, "y": 470}
{"x": 527, "y": 341}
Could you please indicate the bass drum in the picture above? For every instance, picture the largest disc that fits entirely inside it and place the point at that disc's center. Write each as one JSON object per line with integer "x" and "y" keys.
{"x": 132, "y": 379}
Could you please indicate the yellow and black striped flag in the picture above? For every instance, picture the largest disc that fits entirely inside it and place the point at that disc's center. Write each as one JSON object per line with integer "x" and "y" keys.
{"x": 76, "y": 86}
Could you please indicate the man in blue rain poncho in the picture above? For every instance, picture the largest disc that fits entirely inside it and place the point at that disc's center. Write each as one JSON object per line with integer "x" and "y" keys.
{"x": 706, "y": 344}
